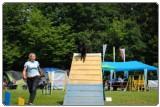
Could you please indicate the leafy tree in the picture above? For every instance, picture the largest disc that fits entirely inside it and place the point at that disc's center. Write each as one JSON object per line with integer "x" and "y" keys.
{"x": 146, "y": 16}
{"x": 52, "y": 44}
{"x": 54, "y": 31}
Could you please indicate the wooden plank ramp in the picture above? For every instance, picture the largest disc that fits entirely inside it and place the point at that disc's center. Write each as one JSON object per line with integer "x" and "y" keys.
{"x": 90, "y": 70}
{"x": 85, "y": 81}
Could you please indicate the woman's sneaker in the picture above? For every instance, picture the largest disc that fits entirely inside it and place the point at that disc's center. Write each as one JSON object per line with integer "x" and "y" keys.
{"x": 30, "y": 103}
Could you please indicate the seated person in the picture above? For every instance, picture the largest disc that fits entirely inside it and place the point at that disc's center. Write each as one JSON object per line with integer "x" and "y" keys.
{"x": 4, "y": 84}
{"x": 108, "y": 79}
{"x": 15, "y": 82}
{"x": 10, "y": 83}
{"x": 119, "y": 79}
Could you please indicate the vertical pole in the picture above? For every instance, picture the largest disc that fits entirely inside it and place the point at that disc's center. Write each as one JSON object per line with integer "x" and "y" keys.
{"x": 114, "y": 61}
{"x": 103, "y": 58}
{"x": 45, "y": 90}
{"x": 113, "y": 54}
{"x": 111, "y": 74}
{"x": 132, "y": 79}
{"x": 127, "y": 74}
{"x": 114, "y": 74}
{"x": 103, "y": 53}
{"x": 124, "y": 61}
{"x": 145, "y": 78}
{"x": 51, "y": 80}
{"x": 64, "y": 81}
{"x": 138, "y": 84}
{"x": 124, "y": 55}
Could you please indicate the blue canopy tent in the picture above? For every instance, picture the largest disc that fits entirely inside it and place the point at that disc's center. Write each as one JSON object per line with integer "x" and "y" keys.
{"x": 50, "y": 69}
{"x": 126, "y": 67}
{"x": 47, "y": 70}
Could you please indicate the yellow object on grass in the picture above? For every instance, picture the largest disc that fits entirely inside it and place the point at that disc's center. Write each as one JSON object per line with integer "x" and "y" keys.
{"x": 20, "y": 101}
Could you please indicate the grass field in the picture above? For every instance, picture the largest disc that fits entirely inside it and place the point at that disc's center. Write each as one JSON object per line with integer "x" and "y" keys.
{"x": 118, "y": 97}
{"x": 133, "y": 98}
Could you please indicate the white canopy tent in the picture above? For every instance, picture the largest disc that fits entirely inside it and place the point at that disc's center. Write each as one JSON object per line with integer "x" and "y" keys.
{"x": 57, "y": 77}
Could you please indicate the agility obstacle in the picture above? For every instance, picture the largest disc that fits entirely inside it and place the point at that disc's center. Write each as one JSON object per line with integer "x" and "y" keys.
{"x": 85, "y": 81}
{"x": 20, "y": 101}
{"x": 7, "y": 98}
{"x": 136, "y": 82}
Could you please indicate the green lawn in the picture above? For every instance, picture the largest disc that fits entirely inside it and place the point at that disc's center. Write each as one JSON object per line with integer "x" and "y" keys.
{"x": 118, "y": 97}
{"x": 133, "y": 97}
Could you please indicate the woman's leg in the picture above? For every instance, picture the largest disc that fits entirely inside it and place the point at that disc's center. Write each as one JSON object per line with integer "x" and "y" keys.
{"x": 30, "y": 84}
{"x": 34, "y": 88}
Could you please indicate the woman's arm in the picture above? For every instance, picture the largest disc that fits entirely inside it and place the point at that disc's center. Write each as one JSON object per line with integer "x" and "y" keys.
{"x": 40, "y": 71}
{"x": 24, "y": 72}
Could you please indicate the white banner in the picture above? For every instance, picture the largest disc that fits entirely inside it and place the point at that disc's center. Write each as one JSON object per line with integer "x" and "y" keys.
{"x": 153, "y": 83}
{"x": 104, "y": 50}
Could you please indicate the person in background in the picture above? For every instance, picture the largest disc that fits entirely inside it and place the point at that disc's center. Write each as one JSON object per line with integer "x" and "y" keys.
{"x": 15, "y": 82}
{"x": 10, "y": 84}
{"x": 119, "y": 79}
{"x": 4, "y": 83}
{"x": 104, "y": 79}
{"x": 32, "y": 73}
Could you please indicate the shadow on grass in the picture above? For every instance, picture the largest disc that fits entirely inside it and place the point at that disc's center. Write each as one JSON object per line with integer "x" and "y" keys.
{"x": 60, "y": 102}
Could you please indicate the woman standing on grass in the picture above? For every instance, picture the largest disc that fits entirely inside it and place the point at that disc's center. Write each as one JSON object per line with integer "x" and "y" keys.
{"x": 32, "y": 73}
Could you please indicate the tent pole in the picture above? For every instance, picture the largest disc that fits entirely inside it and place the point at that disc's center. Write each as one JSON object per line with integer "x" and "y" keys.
{"x": 51, "y": 83}
{"x": 114, "y": 74}
{"x": 127, "y": 74}
{"x": 111, "y": 74}
{"x": 145, "y": 78}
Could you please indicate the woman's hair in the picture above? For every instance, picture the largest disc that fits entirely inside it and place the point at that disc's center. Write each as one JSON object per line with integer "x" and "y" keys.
{"x": 30, "y": 55}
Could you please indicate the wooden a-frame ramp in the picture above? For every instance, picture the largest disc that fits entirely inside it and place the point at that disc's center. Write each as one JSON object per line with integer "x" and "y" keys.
{"x": 85, "y": 81}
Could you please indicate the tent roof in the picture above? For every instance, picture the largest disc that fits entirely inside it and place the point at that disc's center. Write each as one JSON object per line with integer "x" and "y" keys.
{"x": 14, "y": 74}
{"x": 127, "y": 66}
{"x": 50, "y": 69}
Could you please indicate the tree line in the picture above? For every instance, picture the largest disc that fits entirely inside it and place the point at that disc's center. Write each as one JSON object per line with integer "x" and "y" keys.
{"x": 55, "y": 30}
